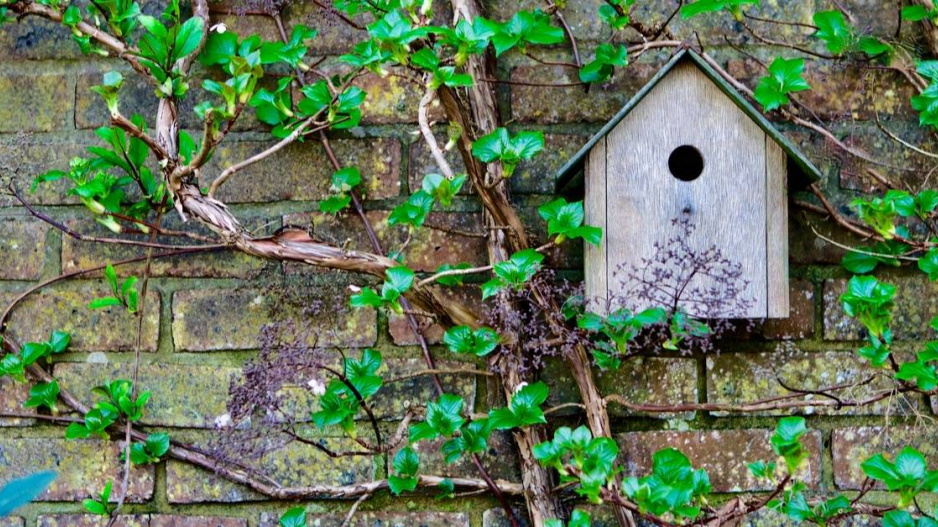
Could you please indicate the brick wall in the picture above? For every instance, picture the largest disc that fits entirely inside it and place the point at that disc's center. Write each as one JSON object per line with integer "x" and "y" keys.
{"x": 205, "y": 311}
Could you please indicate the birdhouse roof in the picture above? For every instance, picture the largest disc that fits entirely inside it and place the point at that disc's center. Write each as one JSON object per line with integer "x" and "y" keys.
{"x": 571, "y": 173}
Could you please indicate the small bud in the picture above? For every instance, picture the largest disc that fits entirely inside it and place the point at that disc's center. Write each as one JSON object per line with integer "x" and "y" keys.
{"x": 223, "y": 421}
{"x": 317, "y": 387}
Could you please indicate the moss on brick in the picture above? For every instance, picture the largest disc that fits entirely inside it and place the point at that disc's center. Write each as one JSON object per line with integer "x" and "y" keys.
{"x": 65, "y": 307}
{"x": 83, "y": 466}
{"x": 22, "y": 243}
{"x": 225, "y": 319}
{"x": 298, "y": 172}
{"x": 34, "y": 102}
{"x": 293, "y": 465}
{"x": 647, "y": 380}
{"x": 737, "y": 378}
{"x": 182, "y": 396}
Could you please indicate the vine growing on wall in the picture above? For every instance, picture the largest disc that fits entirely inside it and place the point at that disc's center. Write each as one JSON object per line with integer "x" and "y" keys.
{"x": 138, "y": 174}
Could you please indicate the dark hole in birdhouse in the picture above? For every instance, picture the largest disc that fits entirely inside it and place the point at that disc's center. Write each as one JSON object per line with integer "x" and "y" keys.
{"x": 686, "y": 163}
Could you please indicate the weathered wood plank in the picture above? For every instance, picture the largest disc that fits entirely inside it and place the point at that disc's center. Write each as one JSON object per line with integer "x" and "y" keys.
{"x": 595, "y": 204}
{"x": 776, "y": 165}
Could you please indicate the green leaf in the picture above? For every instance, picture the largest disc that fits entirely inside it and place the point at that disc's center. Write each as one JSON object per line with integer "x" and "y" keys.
{"x": 708, "y": 6}
{"x": 786, "y": 441}
{"x": 443, "y": 419}
{"x": 400, "y": 278}
{"x": 784, "y": 78}
{"x": 837, "y": 34}
{"x": 526, "y": 27}
{"x": 346, "y": 179}
{"x": 187, "y": 38}
{"x": 111, "y": 276}
{"x": 406, "y": 464}
{"x": 928, "y": 264}
{"x": 43, "y": 394}
{"x": 335, "y": 204}
{"x": 465, "y": 340}
{"x": 874, "y": 47}
{"x": 414, "y": 212}
{"x": 219, "y": 48}
{"x": 295, "y": 517}
{"x": 611, "y": 16}
{"x": 523, "y": 410}
{"x": 33, "y": 352}
{"x": 762, "y": 470}
{"x": 490, "y": 147}
{"x": 501, "y": 146}
{"x": 521, "y": 267}
{"x": 917, "y": 13}
{"x": 870, "y": 302}
{"x": 59, "y": 341}
{"x": 607, "y": 58}
{"x": 443, "y": 189}
{"x": 157, "y": 444}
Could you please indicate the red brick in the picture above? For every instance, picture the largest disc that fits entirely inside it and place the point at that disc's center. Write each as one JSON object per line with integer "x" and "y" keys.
{"x": 183, "y": 395}
{"x": 29, "y": 155}
{"x": 226, "y": 319}
{"x": 842, "y": 91}
{"x": 22, "y": 248}
{"x": 292, "y": 465}
{"x": 800, "y": 321}
{"x": 723, "y": 453}
{"x": 34, "y": 101}
{"x": 301, "y": 172}
{"x": 852, "y": 446}
{"x": 739, "y": 378}
{"x": 64, "y": 307}
{"x": 379, "y": 519}
{"x": 403, "y": 334}
{"x": 644, "y": 380}
{"x": 140, "y": 520}
{"x": 12, "y": 397}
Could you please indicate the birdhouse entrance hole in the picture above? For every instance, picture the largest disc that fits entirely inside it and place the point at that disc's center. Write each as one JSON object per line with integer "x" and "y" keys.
{"x": 686, "y": 163}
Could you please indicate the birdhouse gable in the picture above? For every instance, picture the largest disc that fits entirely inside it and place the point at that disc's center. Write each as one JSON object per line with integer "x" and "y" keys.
{"x": 570, "y": 176}
{"x": 689, "y": 149}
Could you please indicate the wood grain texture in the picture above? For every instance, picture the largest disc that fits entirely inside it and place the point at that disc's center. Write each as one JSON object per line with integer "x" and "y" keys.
{"x": 726, "y": 203}
{"x": 776, "y": 205}
{"x": 595, "y": 205}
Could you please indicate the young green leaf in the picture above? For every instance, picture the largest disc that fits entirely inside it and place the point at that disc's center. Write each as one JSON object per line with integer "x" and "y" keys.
{"x": 565, "y": 220}
{"x": 708, "y": 6}
{"x": 523, "y": 409}
{"x": 406, "y": 464}
{"x": 443, "y": 419}
{"x": 784, "y": 78}
{"x": 786, "y": 442}
{"x": 838, "y": 35}
{"x": 43, "y": 394}
{"x": 465, "y": 340}
{"x": 295, "y": 517}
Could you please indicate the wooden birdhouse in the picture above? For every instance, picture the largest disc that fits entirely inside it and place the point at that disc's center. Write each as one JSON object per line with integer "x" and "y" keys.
{"x": 688, "y": 145}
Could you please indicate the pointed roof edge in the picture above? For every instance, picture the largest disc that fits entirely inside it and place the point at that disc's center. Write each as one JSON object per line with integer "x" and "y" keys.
{"x": 570, "y": 170}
